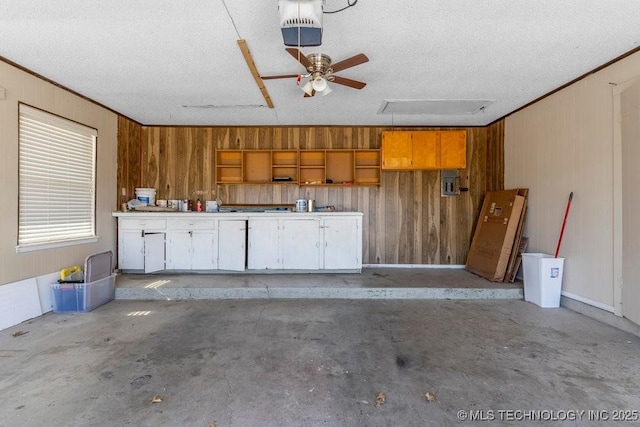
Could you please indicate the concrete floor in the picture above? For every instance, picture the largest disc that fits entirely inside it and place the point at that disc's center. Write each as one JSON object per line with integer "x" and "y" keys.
{"x": 314, "y": 362}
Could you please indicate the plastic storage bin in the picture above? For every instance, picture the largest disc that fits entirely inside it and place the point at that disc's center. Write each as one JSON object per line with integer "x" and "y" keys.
{"x": 82, "y": 297}
{"x": 542, "y": 279}
{"x": 97, "y": 287}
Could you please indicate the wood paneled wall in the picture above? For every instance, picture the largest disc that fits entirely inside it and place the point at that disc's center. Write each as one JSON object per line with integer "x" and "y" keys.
{"x": 495, "y": 156}
{"x": 129, "y": 159}
{"x": 406, "y": 221}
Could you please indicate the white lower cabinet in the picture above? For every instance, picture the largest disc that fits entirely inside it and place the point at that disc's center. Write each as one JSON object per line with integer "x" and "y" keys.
{"x": 141, "y": 245}
{"x": 342, "y": 238}
{"x": 191, "y": 245}
{"x": 284, "y": 244}
{"x": 232, "y": 237}
{"x": 209, "y": 242}
{"x": 300, "y": 244}
{"x": 263, "y": 250}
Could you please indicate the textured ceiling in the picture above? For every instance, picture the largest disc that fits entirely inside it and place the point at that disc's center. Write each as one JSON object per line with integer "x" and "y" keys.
{"x": 148, "y": 59}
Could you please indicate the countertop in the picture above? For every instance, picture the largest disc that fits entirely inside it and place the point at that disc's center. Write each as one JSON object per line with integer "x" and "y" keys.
{"x": 266, "y": 214}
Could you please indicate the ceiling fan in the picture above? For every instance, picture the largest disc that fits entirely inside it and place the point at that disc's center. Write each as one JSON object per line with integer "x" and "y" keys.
{"x": 320, "y": 71}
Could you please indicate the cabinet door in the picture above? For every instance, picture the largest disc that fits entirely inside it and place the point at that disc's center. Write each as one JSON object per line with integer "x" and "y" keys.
{"x": 232, "y": 235}
{"x": 453, "y": 150}
{"x": 300, "y": 244}
{"x": 342, "y": 250}
{"x": 153, "y": 252}
{"x": 426, "y": 150}
{"x": 396, "y": 150}
{"x": 131, "y": 250}
{"x": 179, "y": 250}
{"x": 263, "y": 244}
{"x": 202, "y": 250}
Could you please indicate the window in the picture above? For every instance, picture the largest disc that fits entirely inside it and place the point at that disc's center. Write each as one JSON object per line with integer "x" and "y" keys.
{"x": 57, "y": 160}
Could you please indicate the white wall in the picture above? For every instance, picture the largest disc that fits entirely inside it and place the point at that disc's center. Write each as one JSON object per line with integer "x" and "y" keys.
{"x": 23, "y": 87}
{"x": 564, "y": 143}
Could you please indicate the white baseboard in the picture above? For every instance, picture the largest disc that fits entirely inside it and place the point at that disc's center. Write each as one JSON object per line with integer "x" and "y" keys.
{"x": 604, "y": 314}
{"x": 583, "y": 300}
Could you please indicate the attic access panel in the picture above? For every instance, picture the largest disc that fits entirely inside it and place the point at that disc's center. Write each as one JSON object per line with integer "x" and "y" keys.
{"x": 433, "y": 106}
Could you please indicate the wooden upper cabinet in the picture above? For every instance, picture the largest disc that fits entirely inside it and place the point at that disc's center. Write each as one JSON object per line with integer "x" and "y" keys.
{"x": 424, "y": 150}
{"x": 453, "y": 149}
{"x": 397, "y": 151}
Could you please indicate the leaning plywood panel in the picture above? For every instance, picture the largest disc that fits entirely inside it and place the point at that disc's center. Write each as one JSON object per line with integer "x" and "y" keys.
{"x": 495, "y": 233}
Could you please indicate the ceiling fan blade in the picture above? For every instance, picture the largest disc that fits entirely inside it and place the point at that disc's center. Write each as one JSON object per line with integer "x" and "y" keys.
{"x": 282, "y": 76}
{"x": 347, "y": 82}
{"x": 358, "y": 59}
{"x": 299, "y": 56}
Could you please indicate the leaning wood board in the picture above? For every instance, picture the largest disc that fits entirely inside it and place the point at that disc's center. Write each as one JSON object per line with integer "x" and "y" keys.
{"x": 495, "y": 233}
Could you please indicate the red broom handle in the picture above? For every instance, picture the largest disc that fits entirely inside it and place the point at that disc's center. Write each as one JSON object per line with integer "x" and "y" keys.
{"x": 564, "y": 222}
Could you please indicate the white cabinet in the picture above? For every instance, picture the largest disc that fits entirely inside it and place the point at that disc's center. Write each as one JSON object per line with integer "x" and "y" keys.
{"x": 342, "y": 238}
{"x": 263, "y": 250}
{"x": 191, "y": 244}
{"x": 284, "y": 244}
{"x": 300, "y": 244}
{"x": 232, "y": 237}
{"x": 141, "y": 244}
{"x": 233, "y": 242}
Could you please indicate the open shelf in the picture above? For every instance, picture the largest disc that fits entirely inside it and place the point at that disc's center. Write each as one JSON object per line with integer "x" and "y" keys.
{"x": 367, "y": 167}
{"x": 339, "y": 168}
{"x": 229, "y": 166}
{"x": 257, "y": 167}
{"x": 342, "y": 167}
{"x": 284, "y": 164}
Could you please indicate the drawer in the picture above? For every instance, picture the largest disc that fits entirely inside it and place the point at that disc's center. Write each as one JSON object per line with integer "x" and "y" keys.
{"x": 190, "y": 224}
{"x": 142, "y": 224}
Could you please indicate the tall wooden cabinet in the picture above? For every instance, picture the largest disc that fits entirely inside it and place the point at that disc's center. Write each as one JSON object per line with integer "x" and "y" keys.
{"x": 417, "y": 150}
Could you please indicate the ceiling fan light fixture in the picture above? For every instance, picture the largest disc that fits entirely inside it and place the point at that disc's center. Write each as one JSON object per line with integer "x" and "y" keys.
{"x": 307, "y": 88}
{"x": 327, "y": 90}
{"x": 319, "y": 83}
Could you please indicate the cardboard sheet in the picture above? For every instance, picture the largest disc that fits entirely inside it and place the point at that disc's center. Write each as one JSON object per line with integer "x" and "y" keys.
{"x": 495, "y": 233}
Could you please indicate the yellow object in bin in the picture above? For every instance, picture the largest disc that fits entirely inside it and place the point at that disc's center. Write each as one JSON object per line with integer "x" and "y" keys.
{"x": 71, "y": 273}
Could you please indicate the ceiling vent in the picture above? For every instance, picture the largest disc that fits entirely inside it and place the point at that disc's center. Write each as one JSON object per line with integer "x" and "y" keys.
{"x": 301, "y": 22}
{"x": 448, "y": 107}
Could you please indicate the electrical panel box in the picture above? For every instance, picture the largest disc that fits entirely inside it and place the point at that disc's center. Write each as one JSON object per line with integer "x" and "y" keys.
{"x": 449, "y": 181}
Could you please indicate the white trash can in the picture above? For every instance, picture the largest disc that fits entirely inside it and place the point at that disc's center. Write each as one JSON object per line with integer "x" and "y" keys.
{"x": 542, "y": 279}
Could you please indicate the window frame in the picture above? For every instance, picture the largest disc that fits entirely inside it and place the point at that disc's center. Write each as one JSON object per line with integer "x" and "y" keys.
{"x": 29, "y": 118}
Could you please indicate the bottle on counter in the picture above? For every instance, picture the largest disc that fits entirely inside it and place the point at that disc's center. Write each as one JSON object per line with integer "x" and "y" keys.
{"x": 199, "y": 206}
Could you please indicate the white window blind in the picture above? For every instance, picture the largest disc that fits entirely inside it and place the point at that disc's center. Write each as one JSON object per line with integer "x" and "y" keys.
{"x": 56, "y": 179}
